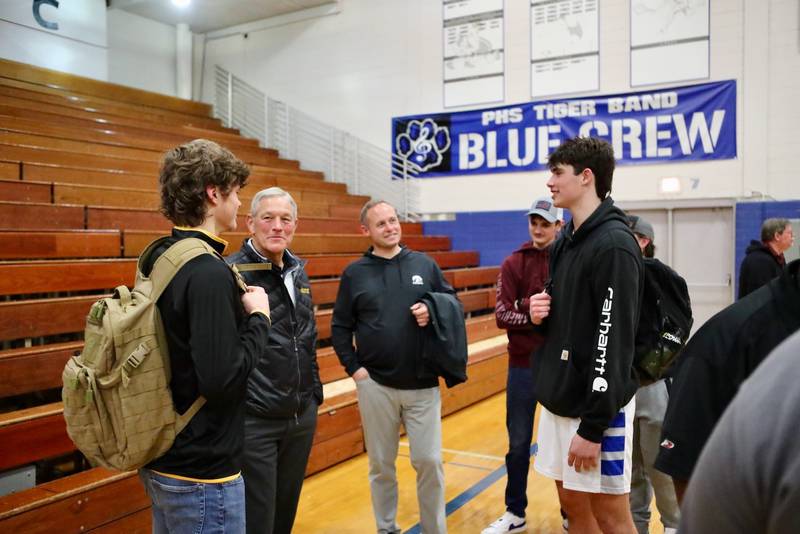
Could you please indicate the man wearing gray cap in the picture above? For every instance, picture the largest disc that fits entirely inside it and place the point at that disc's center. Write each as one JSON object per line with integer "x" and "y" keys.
{"x": 523, "y": 273}
{"x": 651, "y": 405}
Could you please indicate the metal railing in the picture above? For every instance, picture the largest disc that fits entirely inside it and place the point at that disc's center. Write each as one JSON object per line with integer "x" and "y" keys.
{"x": 342, "y": 157}
{"x": 239, "y": 105}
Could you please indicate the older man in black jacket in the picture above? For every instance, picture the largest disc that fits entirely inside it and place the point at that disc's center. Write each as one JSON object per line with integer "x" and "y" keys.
{"x": 284, "y": 390}
{"x": 764, "y": 259}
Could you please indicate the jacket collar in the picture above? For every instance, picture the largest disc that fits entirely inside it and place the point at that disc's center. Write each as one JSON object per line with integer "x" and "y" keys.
{"x": 605, "y": 212}
{"x": 290, "y": 262}
{"x": 404, "y": 251}
{"x": 182, "y": 232}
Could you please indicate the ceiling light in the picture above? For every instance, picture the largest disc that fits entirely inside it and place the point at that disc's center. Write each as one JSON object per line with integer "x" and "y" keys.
{"x": 671, "y": 184}
{"x": 181, "y": 3}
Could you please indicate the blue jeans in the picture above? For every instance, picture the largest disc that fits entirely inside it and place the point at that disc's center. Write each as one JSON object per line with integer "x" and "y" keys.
{"x": 183, "y": 507}
{"x": 520, "y": 409}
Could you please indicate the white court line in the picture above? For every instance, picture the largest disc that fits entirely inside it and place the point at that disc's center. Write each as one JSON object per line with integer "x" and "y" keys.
{"x": 467, "y": 453}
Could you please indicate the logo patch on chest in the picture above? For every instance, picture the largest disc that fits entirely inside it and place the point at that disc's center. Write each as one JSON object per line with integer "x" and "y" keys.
{"x": 305, "y": 290}
{"x": 416, "y": 280}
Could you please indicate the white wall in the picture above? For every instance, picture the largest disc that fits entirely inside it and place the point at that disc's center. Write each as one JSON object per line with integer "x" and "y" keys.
{"x": 141, "y": 52}
{"x": 382, "y": 58}
{"x": 78, "y": 46}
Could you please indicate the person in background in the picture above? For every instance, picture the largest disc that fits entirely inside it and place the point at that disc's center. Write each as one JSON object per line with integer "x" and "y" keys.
{"x": 522, "y": 274}
{"x": 651, "y": 404}
{"x": 764, "y": 259}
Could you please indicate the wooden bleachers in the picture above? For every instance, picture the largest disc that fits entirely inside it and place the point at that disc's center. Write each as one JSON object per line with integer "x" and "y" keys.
{"x": 78, "y": 202}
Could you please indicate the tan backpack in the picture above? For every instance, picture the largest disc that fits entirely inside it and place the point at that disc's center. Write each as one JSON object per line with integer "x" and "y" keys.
{"x": 117, "y": 402}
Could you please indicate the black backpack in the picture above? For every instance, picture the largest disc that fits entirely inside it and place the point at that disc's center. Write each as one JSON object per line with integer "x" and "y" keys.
{"x": 665, "y": 321}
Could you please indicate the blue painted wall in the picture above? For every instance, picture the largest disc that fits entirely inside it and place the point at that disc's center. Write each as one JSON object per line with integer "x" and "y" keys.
{"x": 495, "y": 234}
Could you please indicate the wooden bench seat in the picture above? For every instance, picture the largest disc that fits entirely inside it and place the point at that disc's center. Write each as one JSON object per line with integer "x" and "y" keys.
{"x": 311, "y": 203}
{"x": 479, "y": 276}
{"x": 35, "y": 90}
{"x": 41, "y": 317}
{"x": 82, "y": 502}
{"x": 33, "y": 277}
{"x": 290, "y": 179}
{"x": 39, "y": 368}
{"x": 156, "y": 142}
{"x": 176, "y": 133}
{"x": 127, "y": 151}
{"x": 32, "y": 434}
{"x": 61, "y": 98}
{"x": 102, "y": 243}
{"x": 88, "y": 86}
{"x": 60, "y": 244}
{"x": 303, "y": 244}
{"x": 102, "y": 117}
{"x": 41, "y": 216}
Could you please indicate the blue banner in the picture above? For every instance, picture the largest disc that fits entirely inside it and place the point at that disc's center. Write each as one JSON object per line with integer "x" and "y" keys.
{"x": 696, "y": 122}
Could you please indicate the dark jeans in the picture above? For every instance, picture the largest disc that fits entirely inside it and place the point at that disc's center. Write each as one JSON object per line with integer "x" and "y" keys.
{"x": 275, "y": 457}
{"x": 185, "y": 507}
{"x": 520, "y": 409}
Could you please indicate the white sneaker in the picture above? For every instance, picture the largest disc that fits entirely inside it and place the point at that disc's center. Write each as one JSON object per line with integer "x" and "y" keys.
{"x": 507, "y": 523}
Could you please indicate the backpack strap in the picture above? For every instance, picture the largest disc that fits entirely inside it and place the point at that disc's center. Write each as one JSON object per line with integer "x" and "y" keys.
{"x": 247, "y": 267}
{"x": 171, "y": 261}
{"x": 182, "y": 420}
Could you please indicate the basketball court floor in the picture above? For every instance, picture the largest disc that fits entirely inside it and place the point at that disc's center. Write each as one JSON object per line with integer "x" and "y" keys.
{"x": 337, "y": 500}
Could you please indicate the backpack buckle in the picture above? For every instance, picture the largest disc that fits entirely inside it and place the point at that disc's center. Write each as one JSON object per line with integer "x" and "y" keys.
{"x": 136, "y": 357}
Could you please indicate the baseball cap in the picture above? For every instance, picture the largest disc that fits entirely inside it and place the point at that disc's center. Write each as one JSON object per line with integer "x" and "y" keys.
{"x": 544, "y": 208}
{"x": 641, "y": 227}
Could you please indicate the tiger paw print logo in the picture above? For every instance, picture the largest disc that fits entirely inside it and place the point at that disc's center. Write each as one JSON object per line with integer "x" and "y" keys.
{"x": 423, "y": 143}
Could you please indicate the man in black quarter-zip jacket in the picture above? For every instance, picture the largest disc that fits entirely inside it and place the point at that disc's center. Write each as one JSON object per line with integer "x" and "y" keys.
{"x": 284, "y": 390}
{"x": 215, "y": 338}
{"x": 379, "y": 301}
{"x": 583, "y": 374}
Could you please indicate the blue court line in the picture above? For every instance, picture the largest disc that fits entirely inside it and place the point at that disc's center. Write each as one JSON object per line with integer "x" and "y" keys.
{"x": 470, "y": 493}
{"x": 459, "y": 464}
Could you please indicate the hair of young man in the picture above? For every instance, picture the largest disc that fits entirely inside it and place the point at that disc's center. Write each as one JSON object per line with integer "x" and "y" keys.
{"x": 587, "y": 153}
{"x": 187, "y": 170}
{"x": 772, "y": 227}
{"x": 368, "y": 206}
{"x": 272, "y": 192}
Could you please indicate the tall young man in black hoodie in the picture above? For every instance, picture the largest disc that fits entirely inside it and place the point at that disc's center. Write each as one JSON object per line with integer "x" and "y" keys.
{"x": 379, "y": 301}
{"x": 583, "y": 374}
{"x": 215, "y": 338}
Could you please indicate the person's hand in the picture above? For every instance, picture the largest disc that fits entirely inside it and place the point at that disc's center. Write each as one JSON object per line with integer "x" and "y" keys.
{"x": 255, "y": 299}
{"x": 360, "y": 374}
{"x": 539, "y": 307}
{"x": 583, "y": 454}
{"x": 420, "y": 313}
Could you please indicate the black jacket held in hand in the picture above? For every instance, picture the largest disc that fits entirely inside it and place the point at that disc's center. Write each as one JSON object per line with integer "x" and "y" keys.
{"x": 585, "y": 367}
{"x": 374, "y": 303}
{"x": 287, "y": 376}
{"x": 445, "y": 349}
